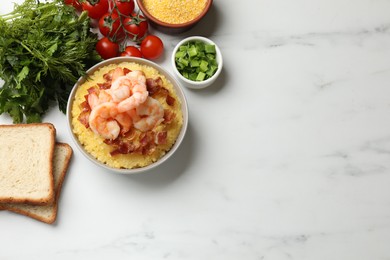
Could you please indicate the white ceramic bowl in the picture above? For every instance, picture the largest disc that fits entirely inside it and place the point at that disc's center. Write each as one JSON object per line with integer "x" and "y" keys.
{"x": 197, "y": 84}
{"x": 179, "y": 93}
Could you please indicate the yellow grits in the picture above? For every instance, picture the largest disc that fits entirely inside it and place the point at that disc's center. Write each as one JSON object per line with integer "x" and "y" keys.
{"x": 175, "y": 11}
{"x": 95, "y": 145}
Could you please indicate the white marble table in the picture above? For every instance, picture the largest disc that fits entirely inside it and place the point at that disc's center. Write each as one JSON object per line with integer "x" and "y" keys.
{"x": 287, "y": 155}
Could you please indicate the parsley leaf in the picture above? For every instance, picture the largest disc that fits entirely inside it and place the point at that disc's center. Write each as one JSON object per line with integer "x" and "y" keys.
{"x": 44, "y": 48}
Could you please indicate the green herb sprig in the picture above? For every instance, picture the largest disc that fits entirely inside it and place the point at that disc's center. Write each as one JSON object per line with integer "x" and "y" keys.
{"x": 44, "y": 48}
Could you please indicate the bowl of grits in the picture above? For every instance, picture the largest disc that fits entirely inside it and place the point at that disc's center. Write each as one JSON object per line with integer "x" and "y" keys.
{"x": 174, "y": 16}
{"x": 127, "y": 115}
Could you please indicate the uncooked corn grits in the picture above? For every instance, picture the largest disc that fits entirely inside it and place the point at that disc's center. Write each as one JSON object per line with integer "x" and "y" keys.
{"x": 175, "y": 11}
{"x": 96, "y": 145}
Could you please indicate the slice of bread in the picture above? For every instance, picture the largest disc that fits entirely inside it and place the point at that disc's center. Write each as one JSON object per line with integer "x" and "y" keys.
{"x": 47, "y": 213}
{"x": 26, "y": 168}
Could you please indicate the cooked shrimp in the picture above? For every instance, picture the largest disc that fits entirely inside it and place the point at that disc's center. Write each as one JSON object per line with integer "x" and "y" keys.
{"x": 121, "y": 88}
{"x": 102, "y": 122}
{"x": 148, "y": 114}
{"x": 118, "y": 72}
{"x": 95, "y": 98}
{"x": 138, "y": 91}
{"x": 137, "y": 75}
{"x": 125, "y": 121}
{"x": 104, "y": 96}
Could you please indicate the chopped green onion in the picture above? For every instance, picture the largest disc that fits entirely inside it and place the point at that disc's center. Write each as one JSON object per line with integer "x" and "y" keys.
{"x": 196, "y": 60}
{"x": 201, "y": 76}
{"x": 183, "y": 61}
{"x": 180, "y": 54}
{"x": 194, "y": 63}
{"x": 203, "y": 65}
{"x": 209, "y": 48}
{"x": 212, "y": 70}
{"x": 192, "y": 51}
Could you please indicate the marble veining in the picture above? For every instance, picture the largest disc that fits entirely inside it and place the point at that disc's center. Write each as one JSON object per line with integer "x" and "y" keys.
{"x": 287, "y": 156}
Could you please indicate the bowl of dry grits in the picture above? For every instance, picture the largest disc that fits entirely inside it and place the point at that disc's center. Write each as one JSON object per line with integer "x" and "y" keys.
{"x": 174, "y": 16}
{"x": 127, "y": 115}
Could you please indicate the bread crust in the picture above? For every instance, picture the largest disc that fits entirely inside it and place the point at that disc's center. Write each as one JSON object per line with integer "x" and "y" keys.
{"x": 52, "y": 207}
{"x": 50, "y": 197}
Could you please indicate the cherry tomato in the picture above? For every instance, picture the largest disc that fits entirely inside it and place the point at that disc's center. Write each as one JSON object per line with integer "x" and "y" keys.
{"x": 75, "y": 3}
{"x": 106, "y": 48}
{"x": 132, "y": 51}
{"x": 135, "y": 26}
{"x": 152, "y": 47}
{"x": 95, "y": 8}
{"x": 109, "y": 26}
{"x": 125, "y": 7}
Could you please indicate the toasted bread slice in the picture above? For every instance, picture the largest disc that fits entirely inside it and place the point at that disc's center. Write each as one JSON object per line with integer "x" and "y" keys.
{"x": 26, "y": 169}
{"x": 47, "y": 213}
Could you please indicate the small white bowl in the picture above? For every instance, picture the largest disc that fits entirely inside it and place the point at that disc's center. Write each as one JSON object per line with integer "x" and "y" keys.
{"x": 197, "y": 84}
{"x": 179, "y": 92}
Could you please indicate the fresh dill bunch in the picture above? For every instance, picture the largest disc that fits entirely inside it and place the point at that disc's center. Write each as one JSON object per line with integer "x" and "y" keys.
{"x": 44, "y": 48}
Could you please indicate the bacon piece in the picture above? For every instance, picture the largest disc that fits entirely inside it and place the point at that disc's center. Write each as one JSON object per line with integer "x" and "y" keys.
{"x": 126, "y": 70}
{"x": 146, "y": 149}
{"x": 149, "y": 149}
{"x": 144, "y": 143}
{"x": 170, "y": 100}
{"x": 124, "y": 144}
{"x": 146, "y": 138}
{"x": 104, "y": 85}
{"x": 84, "y": 118}
{"x": 161, "y": 137}
{"x": 169, "y": 115}
{"x": 85, "y": 109}
{"x": 163, "y": 91}
{"x": 124, "y": 148}
{"x": 108, "y": 76}
{"x": 147, "y": 145}
{"x": 153, "y": 85}
{"x": 117, "y": 144}
{"x": 85, "y": 106}
{"x": 92, "y": 90}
